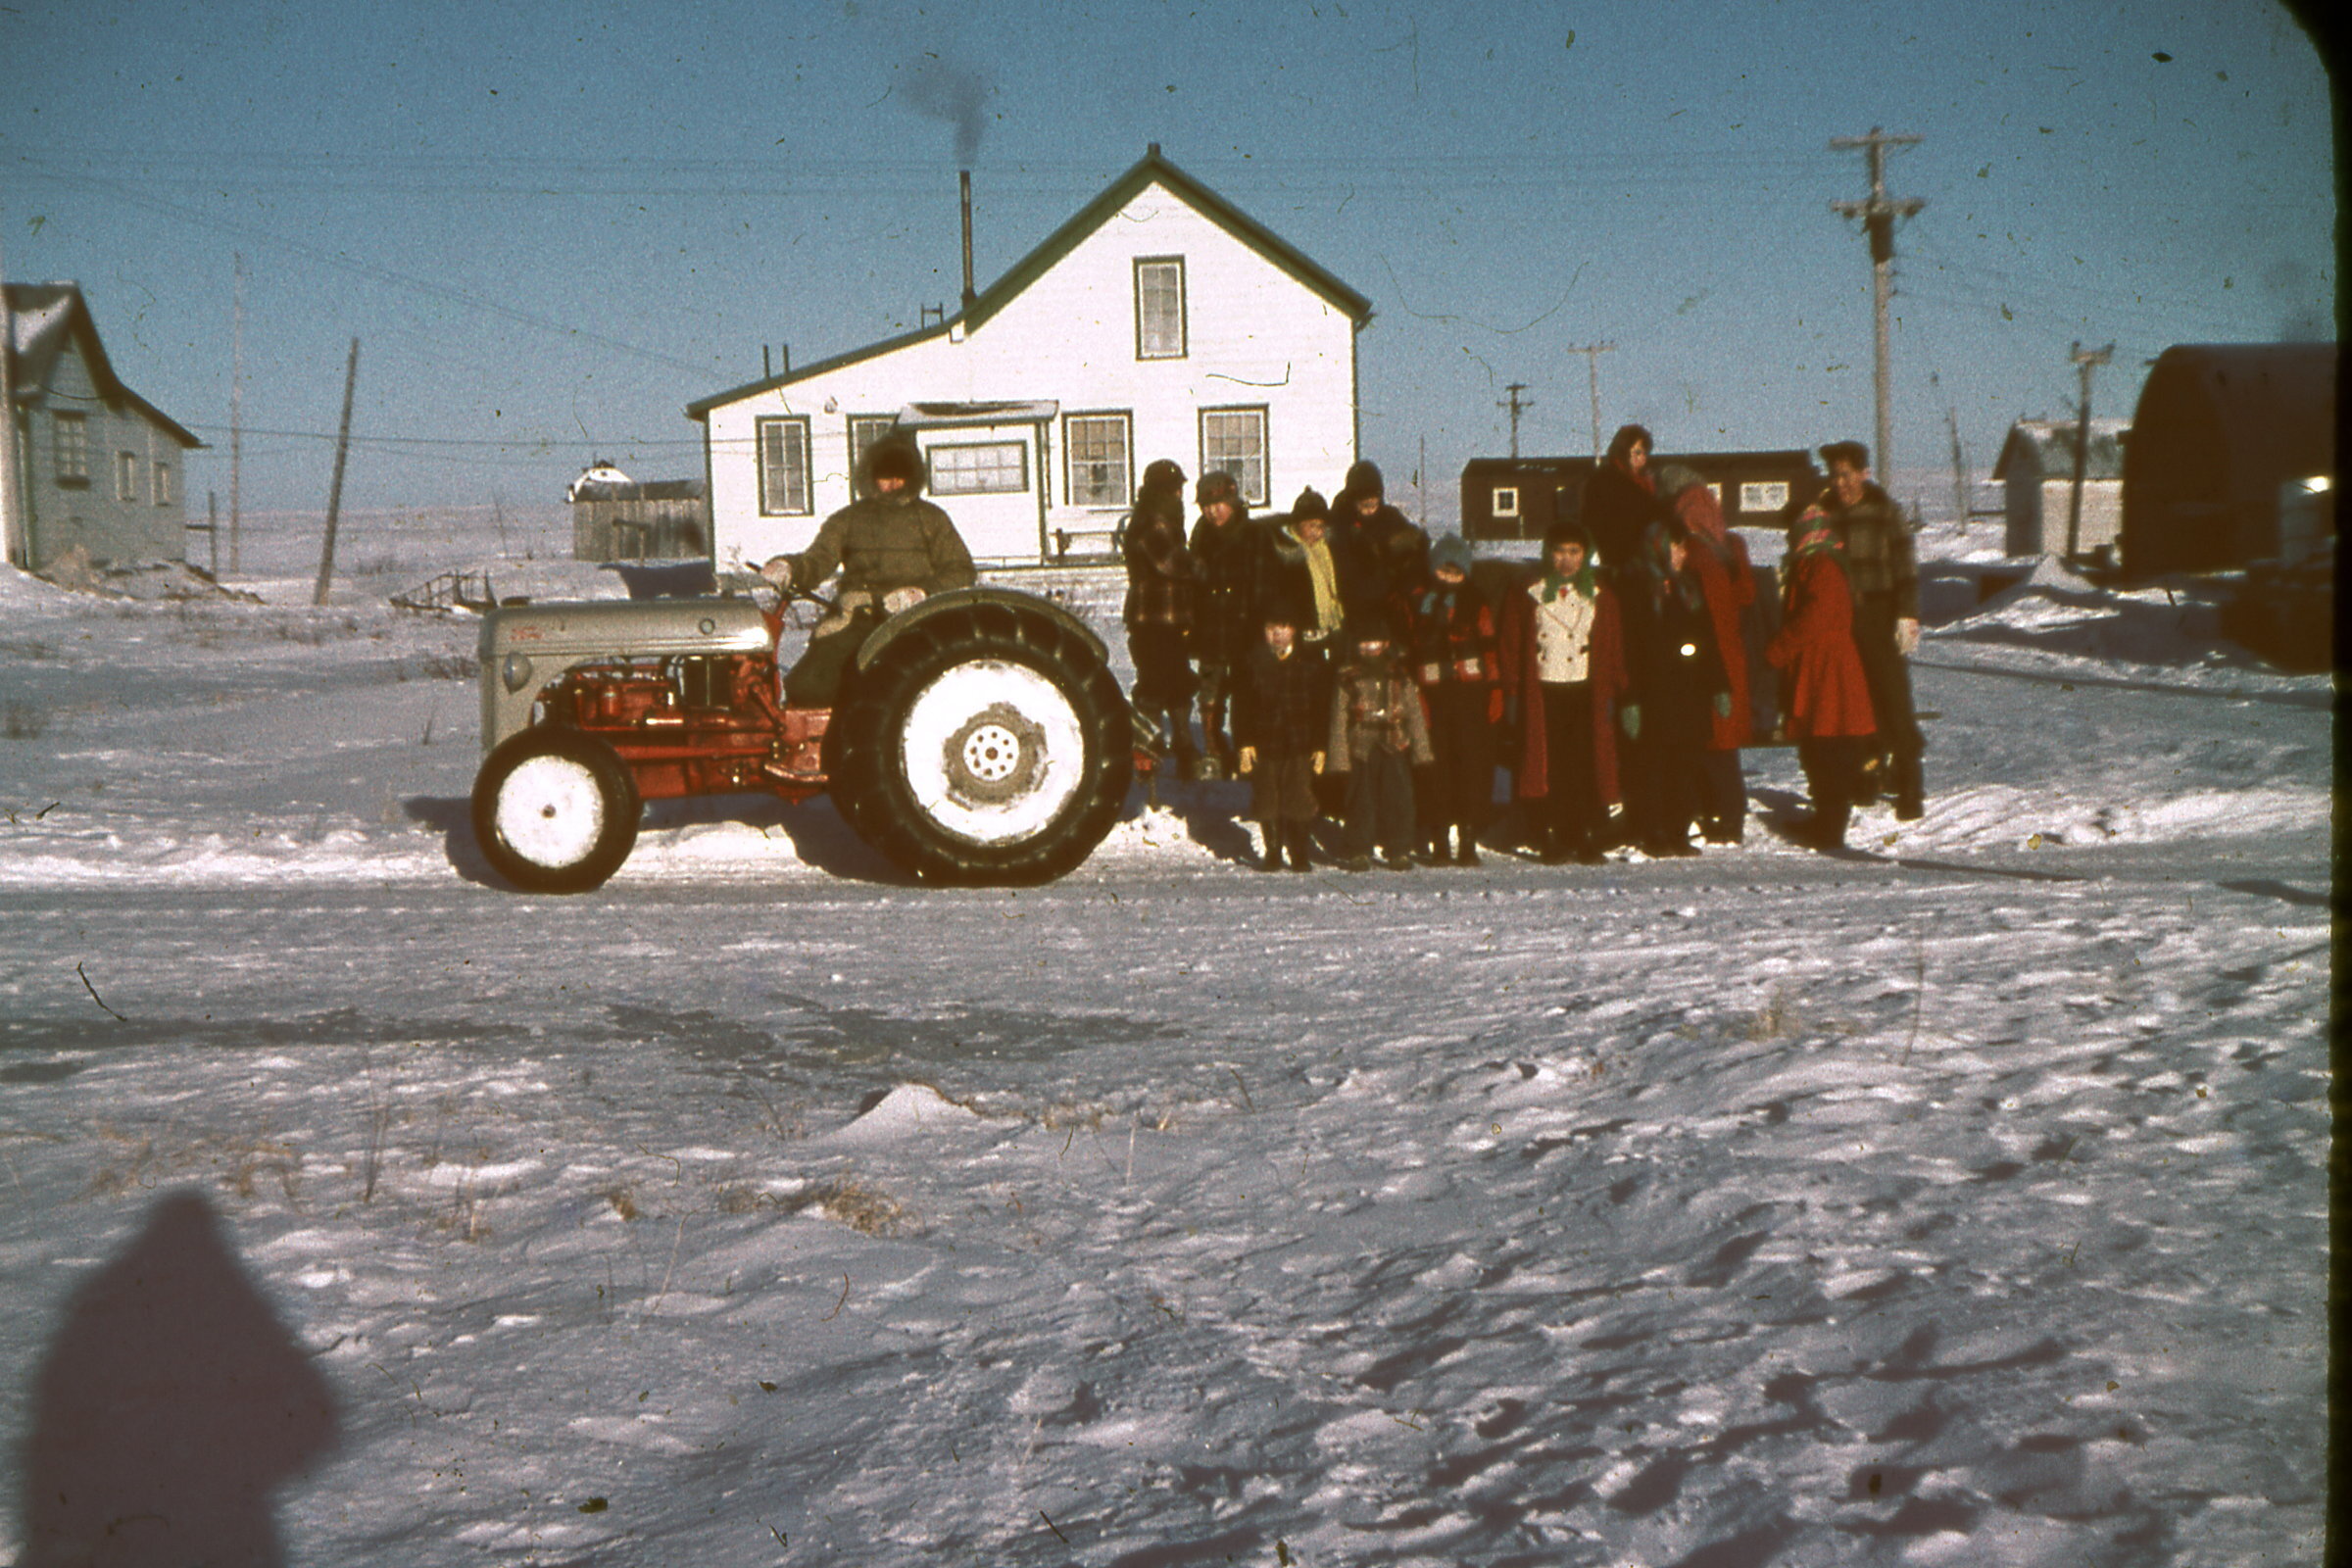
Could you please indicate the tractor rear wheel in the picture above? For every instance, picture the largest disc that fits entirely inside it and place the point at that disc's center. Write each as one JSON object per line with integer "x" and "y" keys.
{"x": 555, "y": 811}
{"x": 987, "y": 745}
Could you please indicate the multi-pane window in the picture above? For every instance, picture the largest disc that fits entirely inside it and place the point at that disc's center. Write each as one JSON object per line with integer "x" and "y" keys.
{"x": 163, "y": 484}
{"x": 72, "y": 434}
{"x": 865, "y": 430}
{"x": 1506, "y": 501}
{"x": 126, "y": 476}
{"x": 1160, "y": 308}
{"x": 1234, "y": 440}
{"x": 784, "y": 468}
{"x": 985, "y": 469}
{"x": 1769, "y": 497}
{"x": 1098, "y": 445}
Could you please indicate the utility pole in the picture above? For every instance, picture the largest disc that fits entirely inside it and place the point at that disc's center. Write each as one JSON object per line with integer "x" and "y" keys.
{"x": 1421, "y": 487}
{"x": 2085, "y": 359}
{"x": 335, "y": 493}
{"x": 236, "y": 427}
{"x": 1951, "y": 420}
{"x": 1592, "y": 352}
{"x": 15, "y": 547}
{"x": 1515, "y": 405}
{"x": 1878, "y": 216}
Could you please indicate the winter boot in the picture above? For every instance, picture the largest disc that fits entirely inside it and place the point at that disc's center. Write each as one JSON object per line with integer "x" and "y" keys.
{"x": 1910, "y": 790}
{"x": 1270, "y": 860}
{"x": 1827, "y": 830}
{"x": 1467, "y": 854}
{"x": 1295, "y": 837}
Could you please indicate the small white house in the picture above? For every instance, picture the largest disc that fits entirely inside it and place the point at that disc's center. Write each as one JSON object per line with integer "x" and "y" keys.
{"x": 2036, "y": 470}
{"x": 1159, "y": 322}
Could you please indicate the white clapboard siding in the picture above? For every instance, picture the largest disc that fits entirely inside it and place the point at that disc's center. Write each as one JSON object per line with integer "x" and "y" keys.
{"x": 1256, "y": 337}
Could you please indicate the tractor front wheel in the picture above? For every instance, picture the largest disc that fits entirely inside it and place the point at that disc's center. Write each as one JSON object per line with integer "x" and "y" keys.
{"x": 555, "y": 811}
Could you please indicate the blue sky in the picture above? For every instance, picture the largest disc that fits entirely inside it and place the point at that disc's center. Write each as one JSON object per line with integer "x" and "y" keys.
{"x": 553, "y": 226}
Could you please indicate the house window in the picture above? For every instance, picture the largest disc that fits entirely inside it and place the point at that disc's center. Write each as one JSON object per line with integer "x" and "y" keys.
{"x": 986, "y": 468}
{"x": 1160, "y": 308}
{"x": 784, "y": 468}
{"x": 1234, "y": 440}
{"x": 865, "y": 430}
{"x": 1506, "y": 501}
{"x": 1770, "y": 496}
{"x": 73, "y": 436}
{"x": 163, "y": 484}
{"x": 126, "y": 476}
{"x": 1098, "y": 445}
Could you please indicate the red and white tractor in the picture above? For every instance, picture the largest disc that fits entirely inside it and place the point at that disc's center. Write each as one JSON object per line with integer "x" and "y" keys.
{"x": 980, "y": 736}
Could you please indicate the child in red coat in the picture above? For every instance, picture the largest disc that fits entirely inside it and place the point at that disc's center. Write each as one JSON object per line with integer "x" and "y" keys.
{"x": 1829, "y": 700}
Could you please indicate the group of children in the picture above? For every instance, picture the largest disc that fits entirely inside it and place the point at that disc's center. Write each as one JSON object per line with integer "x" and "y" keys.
{"x": 1611, "y": 687}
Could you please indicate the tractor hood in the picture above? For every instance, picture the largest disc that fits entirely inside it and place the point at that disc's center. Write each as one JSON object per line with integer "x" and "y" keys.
{"x": 523, "y": 647}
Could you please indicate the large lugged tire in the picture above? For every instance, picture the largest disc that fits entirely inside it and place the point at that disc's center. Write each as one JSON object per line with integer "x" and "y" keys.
{"x": 986, "y": 744}
{"x": 555, "y": 811}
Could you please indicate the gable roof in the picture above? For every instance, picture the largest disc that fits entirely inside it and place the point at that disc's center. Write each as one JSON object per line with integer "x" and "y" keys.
{"x": 2051, "y": 444}
{"x": 1148, "y": 170}
{"x": 42, "y": 319}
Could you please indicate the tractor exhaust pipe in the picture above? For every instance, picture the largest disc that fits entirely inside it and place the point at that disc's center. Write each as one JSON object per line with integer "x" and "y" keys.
{"x": 963, "y": 179}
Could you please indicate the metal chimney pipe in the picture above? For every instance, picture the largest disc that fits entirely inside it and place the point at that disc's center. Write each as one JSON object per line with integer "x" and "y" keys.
{"x": 964, "y": 180}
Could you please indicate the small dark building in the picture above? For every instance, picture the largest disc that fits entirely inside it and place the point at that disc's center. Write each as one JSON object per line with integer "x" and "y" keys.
{"x": 614, "y": 518}
{"x": 2221, "y": 429}
{"x": 97, "y": 466}
{"x": 1521, "y": 498}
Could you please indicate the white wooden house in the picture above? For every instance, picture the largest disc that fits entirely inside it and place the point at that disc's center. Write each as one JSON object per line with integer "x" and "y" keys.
{"x": 2036, "y": 471}
{"x": 1159, "y": 322}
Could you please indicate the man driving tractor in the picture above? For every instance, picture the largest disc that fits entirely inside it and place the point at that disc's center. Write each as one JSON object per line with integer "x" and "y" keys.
{"x": 892, "y": 549}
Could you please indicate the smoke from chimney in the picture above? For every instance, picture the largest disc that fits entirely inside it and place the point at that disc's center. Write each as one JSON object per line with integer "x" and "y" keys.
{"x": 942, "y": 88}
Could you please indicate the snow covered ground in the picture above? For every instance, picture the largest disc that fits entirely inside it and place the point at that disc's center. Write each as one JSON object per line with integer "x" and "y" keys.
{"x": 1961, "y": 1203}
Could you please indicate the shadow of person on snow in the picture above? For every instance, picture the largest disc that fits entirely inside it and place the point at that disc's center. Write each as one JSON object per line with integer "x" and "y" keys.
{"x": 170, "y": 1405}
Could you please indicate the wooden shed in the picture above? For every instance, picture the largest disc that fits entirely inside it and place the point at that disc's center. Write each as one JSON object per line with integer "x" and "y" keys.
{"x": 614, "y": 518}
{"x": 2036, "y": 471}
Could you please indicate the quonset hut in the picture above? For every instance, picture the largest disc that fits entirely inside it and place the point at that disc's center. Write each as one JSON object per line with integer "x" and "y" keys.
{"x": 2221, "y": 429}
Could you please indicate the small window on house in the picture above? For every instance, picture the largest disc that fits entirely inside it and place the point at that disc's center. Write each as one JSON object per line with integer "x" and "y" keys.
{"x": 1506, "y": 501}
{"x": 126, "y": 476}
{"x": 986, "y": 468}
{"x": 865, "y": 430}
{"x": 784, "y": 468}
{"x": 1098, "y": 445}
{"x": 163, "y": 484}
{"x": 73, "y": 436}
{"x": 1234, "y": 440}
{"x": 1769, "y": 496}
{"x": 1160, "y": 308}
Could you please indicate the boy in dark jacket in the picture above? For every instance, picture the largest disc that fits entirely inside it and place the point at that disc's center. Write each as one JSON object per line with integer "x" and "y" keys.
{"x": 1453, "y": 659}
{"x": 1280, "y": 707}
{"x": 1223, "y": 634}
{"x": 1378, "y": 732}
{"x": 1680, "y": 688}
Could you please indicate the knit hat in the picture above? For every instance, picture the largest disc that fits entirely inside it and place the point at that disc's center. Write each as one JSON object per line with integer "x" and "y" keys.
{"x": 1217, "y": 485}
{"x": 1164, "y": 473}
{"x": 1450, "y": 551}
{"x": 1674, "y": 479}
{"x": 1369, "y": 627}
{"x": 1363, "y": 479}
{"x": 1311, "y": 503}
